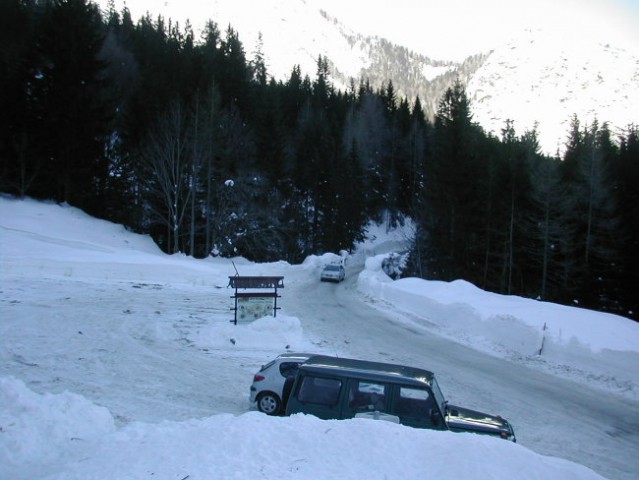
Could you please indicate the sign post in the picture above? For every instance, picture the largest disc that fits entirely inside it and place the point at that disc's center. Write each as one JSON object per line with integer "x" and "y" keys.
{"x": 255, "y": 303}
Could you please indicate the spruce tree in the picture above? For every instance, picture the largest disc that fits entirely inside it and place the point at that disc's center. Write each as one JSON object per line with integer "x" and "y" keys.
{"x": 71, "y": 116}
{"x": 20, "y": 160}
{"x": 453, "y": 191}
{"x": 627, "y": 179}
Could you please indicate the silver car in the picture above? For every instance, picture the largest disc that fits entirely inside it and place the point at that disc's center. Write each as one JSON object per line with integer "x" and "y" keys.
{"x": 268, "y": 384}
{"x": 333, "y": 273}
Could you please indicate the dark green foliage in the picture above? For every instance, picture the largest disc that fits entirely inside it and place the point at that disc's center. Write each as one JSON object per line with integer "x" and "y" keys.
{"x": 19, "y": 168}
{"x": 453, "y": 191}
{"x": 56, "y": 147}
{"x": 190, "y": 141}
{"x": 626, "y": 178}
{"x": 546, "y": 227}
{"x": 510, "y": 220}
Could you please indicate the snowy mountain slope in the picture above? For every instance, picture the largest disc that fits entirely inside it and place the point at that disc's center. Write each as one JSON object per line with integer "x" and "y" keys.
{"x": 547, "y": 79}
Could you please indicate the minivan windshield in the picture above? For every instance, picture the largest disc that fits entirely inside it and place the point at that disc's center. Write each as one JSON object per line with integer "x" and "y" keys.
{"x": 439, "y": 396}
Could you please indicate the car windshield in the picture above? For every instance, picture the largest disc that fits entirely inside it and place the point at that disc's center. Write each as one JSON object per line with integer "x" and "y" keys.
{"x": 332, "y": 267}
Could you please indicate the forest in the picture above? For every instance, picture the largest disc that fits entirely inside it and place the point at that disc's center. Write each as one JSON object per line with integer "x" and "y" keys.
{"x": 189, "y": 139}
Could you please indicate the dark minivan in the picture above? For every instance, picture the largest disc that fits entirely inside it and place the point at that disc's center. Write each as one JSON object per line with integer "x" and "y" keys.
{"x": 340, "y": 388}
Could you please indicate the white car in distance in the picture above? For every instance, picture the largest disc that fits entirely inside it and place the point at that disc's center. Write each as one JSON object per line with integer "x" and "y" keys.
{"x": 333, "y": 272}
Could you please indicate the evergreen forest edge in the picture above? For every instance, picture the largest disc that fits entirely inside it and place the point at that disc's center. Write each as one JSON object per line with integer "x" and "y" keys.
{"x": 192, "y": 142}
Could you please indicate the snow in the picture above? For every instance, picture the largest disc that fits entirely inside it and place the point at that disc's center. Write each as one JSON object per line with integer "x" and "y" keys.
{"x": 245, "y": 446}
{"x": 118, "y": 360}
{"x": 564, "y": 326}
{"x": 543, "y": 78}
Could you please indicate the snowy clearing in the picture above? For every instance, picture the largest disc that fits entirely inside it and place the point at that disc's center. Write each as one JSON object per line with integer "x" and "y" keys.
{"x": 120, "y": 361}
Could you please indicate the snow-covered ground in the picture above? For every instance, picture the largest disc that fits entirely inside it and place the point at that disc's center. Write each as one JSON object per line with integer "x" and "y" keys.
{"x": 119, "y": 361}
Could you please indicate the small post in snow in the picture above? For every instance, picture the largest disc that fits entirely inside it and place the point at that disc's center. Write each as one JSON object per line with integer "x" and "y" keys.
{"x": 543, "y": 339}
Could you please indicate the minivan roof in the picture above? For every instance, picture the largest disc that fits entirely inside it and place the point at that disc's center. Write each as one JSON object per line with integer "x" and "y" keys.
{"x": 296, "y": 355}
{"x": 365, "y": 369}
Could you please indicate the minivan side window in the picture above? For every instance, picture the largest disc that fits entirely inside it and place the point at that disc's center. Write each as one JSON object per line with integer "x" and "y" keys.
{"x": 319, "y": 390}
{"x": 366, "y": 396}
{"x": 413, "y": 402}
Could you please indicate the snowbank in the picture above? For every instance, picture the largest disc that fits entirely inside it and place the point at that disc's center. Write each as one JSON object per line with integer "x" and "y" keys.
{"x": 37, "y": 428}
{"x": 278, "y": 334}
{"x": 514, "y": 327}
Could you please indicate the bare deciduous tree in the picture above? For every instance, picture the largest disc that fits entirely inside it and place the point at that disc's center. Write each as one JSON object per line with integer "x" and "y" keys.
{"x": 167, "y": 161}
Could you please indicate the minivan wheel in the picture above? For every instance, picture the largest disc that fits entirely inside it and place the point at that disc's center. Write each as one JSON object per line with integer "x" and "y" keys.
{"x": 269, "y": 403}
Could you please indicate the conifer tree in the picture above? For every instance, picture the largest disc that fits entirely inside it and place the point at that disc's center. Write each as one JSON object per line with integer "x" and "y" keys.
{"x": 417, "y": 150}
{"x": 366, "y": 127}
{"x": 234, "y": 75}
{"x": 601, "y": 217}
{"x": 20, "y": 160}
{"x": 453, "y": 184}
{"x": 590, "y": 253}
{"x": 627, "y": 179}
{"x": 546, "y": 226}
{"x": 258, "y": 64}
{"x": 71, "y": 113}
{"x": 518, "y": 154}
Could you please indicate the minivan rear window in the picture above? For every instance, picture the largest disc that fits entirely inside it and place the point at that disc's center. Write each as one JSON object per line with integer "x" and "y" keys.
{"x": 319, "y": 390}
{"x": 289, "y": 369}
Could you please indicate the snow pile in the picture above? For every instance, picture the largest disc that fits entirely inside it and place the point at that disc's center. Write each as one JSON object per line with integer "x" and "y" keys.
{"x": 38, "y": 428}
{"x": 279, "y": 333}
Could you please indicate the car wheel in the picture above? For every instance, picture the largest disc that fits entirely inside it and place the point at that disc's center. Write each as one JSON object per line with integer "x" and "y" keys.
{"x": 269, "y": 403}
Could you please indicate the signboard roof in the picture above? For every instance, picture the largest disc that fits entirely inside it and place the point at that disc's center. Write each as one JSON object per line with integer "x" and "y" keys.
{"x": 256, "y": 282}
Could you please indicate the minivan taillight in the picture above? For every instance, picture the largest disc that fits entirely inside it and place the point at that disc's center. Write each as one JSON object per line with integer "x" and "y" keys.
{"x": 258, "y": 377}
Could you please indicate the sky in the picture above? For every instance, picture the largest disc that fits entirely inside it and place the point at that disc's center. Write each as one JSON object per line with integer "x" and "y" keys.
{"x": 118, "y": 359}
{"x": 454, "y": 29}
